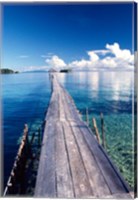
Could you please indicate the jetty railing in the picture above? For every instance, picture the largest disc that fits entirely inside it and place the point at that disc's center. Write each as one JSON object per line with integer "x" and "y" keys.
{"x": 101, "y": 139}
{"x": 16, "y": 174}
{"x": 16, "y": 181}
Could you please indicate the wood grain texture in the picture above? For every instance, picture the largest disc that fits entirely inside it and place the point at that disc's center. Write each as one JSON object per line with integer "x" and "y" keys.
{"x": 72, "y": 163}
{"x": 64, "y": 179}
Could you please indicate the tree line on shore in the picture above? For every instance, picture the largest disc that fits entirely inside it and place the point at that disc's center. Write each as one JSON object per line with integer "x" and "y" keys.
{"x": 8, "y": 71}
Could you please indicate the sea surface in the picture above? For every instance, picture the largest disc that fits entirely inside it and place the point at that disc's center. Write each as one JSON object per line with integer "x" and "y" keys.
{"x": 25, "y": 99}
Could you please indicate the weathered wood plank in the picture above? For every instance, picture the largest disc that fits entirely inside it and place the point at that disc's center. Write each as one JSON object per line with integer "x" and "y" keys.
{"x": 110, "y": 175}
{"x": 96, "y": 180}
{"x": 65, "y": 108}
{"x": 64, "y": 180}
{"x": 80, "y": 179}
{"x": 72, "y": 163}
{"x": 52, "y": 112}
{"x": 62, "y": 116}
{"x": 46, "y": 181}
{"x": 92, "y": 169}
{"x": 74, "y": 116}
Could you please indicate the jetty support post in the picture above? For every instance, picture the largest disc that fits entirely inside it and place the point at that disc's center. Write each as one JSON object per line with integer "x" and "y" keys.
{"x": 39, "y": 136}
{"x": 102, "y": 130}
{"x": 96, "y": 130}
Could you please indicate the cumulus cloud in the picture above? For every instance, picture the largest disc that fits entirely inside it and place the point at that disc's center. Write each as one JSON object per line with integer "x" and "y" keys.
{"x": 124, "y": 54}
{"x": 55, "y": 62}
{"x": 110, "y": 58}
{"x": 93, "y": 56}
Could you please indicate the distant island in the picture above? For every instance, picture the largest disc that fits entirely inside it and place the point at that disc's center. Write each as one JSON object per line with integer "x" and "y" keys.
{"x": 8, "y": 71}
{"x": 65, "y": 70}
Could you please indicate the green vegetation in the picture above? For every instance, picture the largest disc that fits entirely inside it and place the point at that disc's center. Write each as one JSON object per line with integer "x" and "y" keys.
{"x": 8, "y": 71}
{"x": 65, "y": 70}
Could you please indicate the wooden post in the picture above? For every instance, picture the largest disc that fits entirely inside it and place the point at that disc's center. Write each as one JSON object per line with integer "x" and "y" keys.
{"x": 39, "y": 138}
{"x": 32, "y": 139}
{"x": 102, "y": 130}
{"x": 25, "y": 130}
{"x": 25, "y": 136}
{"x": 96, "y": 130}
{"x": 87, "y": 116}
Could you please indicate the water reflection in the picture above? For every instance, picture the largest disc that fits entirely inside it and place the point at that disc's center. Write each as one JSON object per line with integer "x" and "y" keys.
{"x": 111, "y": 94}
{"x": 104, "y": 90}
{"x": 62, "y": 77}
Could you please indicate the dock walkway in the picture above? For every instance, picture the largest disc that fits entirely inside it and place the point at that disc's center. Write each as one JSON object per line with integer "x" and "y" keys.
{"x": 72, "y": 163}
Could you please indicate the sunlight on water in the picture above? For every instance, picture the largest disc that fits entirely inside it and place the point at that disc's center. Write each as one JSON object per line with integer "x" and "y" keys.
{"x": 110, "y": 93}
{"x": 26, "y": 98}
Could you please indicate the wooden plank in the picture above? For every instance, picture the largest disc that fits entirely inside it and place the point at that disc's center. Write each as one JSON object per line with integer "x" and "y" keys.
{"x": 62, "y": 116}
{"x": 71, "y": 107}
{"x": 52, "y": 112}
{"x": 64, "y": 180}
{"x": 80, "y": 179}
{"x": 64, "y": 107}
{"x": 110, "y": 175}
{"x": 72, "y": 163}
{"x": 70, "y": 110}
{"x": 120, "y": 184}
{"x": 46, "y": 177}
{"x": 96, "y": 179}
{"x": 93, "y": 172}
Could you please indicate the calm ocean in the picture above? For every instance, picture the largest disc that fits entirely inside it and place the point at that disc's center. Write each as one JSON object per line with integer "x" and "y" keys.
{"x": 25, "y": 99}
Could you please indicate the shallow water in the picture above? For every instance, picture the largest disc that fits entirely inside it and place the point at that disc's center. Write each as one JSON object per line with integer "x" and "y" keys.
{"x": 112, "y": 94}
{"x": 26, "y": 97}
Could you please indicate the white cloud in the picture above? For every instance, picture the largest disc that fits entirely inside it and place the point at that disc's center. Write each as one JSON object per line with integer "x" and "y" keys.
{"x": 124, "y": 54}
{"x": 55, "y": 62}
{"x": 93, "y": 56}
{"x": 112, "y": 58}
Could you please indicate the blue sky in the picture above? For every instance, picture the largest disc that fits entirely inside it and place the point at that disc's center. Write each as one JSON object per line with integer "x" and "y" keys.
{"x": 36, "y": 36}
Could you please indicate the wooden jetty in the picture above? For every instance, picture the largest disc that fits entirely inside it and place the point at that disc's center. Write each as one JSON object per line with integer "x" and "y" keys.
{"x": 72, "y": 163}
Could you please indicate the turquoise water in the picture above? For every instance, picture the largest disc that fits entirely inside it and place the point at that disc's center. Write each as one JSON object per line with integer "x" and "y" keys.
{"x": 26, "y": 97}
{"x": 112, "y": 94}
{"x": 25, "y": 100}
